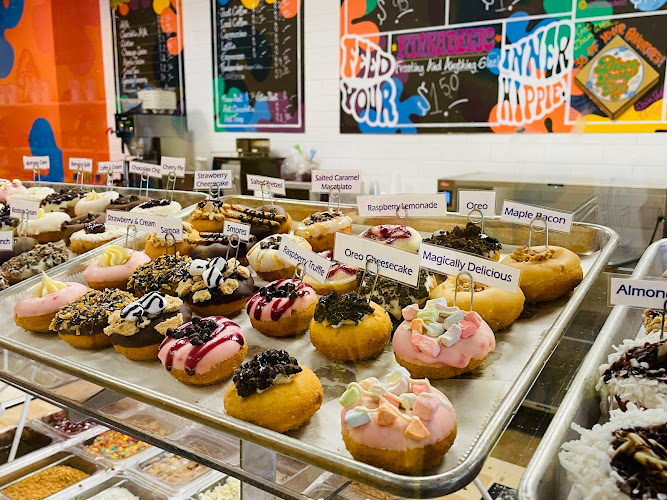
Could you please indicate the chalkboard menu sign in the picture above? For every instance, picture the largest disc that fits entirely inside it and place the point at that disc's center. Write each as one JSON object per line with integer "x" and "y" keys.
{"x": 148, "y": 52}
{"x": 503, "y": 66}
{"x": 258, "y": 65}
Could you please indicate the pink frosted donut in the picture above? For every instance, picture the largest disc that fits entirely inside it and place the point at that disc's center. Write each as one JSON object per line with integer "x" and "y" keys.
{"x": 8, "y": 188}
{"x": 282, "y": 308}
{"x": 95, "y": 273}
{"x": 51, "y": 303}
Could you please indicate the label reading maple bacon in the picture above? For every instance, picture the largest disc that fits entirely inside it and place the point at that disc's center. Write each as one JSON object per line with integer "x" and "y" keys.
{"x": 416, "y": 205}
{"x": 520, "y": 213}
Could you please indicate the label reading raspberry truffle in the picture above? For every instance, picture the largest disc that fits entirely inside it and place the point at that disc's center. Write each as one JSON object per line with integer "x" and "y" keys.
{"x": 347, "y": 181}
{"x": 646, "y": 294}
{"x": 109, "y": 167}
{"x": 81, "y": 165}
{"x": 477, "y": 199}
{"x": 407, "y": 205}
{"x": 151, "y": 170}
{"x": 314, "y": 265}
{"x": 255, "y": 183}
{"x": 206, "y": 179}
{"x": 19, "y": 207}
{"x": 392, "y": 263}
{"x": 6, "y": 240}
{"x": 238, "y": 228}
{"x": 36, "y": 163}
{"x": 170, "y": 164}
{"x": 520, "y": 213}
{"x": 489, "y": 272}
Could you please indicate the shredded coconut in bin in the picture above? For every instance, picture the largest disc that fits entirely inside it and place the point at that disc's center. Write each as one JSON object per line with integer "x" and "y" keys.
{"x": 231, "y": 490}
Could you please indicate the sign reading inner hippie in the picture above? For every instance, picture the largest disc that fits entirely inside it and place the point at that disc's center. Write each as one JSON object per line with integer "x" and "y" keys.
{"x": 503, "y": 66}
{"x": 148, "y": 51}
{"x": 258, "y": 65}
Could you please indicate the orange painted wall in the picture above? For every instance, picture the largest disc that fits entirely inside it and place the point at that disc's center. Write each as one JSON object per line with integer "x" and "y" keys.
{"x": 55, "y": 87}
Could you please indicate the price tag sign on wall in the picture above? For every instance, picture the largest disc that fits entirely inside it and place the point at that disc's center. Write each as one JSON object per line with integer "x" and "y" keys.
{"x": 36, "y": 163}
{"x": 170, "y": 164}
{"x": 645, "y": 294}
{"x": 415, "y": 205}
{"x": 81, "y": 165}
{"x": 137, "y": 167}
{"x": 6, "y": 240}
{"x": 520, "y": 213}
{"x": 347, "y": 181}
{"x": 482, "y": 200}
{"x": 206, "y": 179}
{"x": 255, "y": 183}
{"x": 314, "y": 265}
{"x": 109, "y": 167}
{"x": 18, "y": 207}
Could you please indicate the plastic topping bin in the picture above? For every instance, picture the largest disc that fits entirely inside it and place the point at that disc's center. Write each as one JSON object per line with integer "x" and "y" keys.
{"x": 58, "y": 423}
{"x": 118, "y": 482}
{"x": 227, "y": 488}
{"x": 31, "y": 441}
{"x": 113, "y": 447}
{"x": 177, "y": 475}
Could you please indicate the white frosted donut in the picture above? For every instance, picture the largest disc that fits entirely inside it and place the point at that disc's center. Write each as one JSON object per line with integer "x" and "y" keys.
{"x": 95, "y": 202}
{"x": 403, "y": 237}
{"x": 47, "y": 223}
{"x": 320, "y": 228}
{"x": 546, "y": 272}
{"x": 263, "y": 256}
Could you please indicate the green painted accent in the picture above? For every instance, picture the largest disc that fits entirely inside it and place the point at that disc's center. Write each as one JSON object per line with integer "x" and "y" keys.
{"x": 598, "y": 9}
{"x": 557, "y": 6}
{"x": 370, "y": 5}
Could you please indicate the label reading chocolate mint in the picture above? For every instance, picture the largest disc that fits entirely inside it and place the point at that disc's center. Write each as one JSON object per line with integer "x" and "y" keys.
{"x": 19, "y": 207}
{"x": 6, "y": 240}
{"x": 314, "y": 265}
{"x": 238, "y": 228}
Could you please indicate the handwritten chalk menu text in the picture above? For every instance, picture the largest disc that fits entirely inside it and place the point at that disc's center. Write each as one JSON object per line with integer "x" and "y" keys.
{"x": 148, "y": 53}
{"x": 258, "y": 82}
{"x": 502, "y": 66}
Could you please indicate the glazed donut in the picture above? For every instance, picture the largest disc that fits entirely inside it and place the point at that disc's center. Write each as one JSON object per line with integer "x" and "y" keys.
{"x": 282, "y": 308}
{"x": 499, "y": 308}
{"x": 95, "y": 202}
{"x": 347, "y": 328}
{"x": 441, "y": 342}
{"x": 137, "y": 330}
{"x": 320, "y": 228}
{"x": 204, "y": 351}
{"x": 546, "y": 272}
{"x": 156, "y": 246}
{"x": 402, "y": 425}
{"x": 36, "y": 311}
{"x": 341, "y": 279}
{"x": 403, "y": 237}
{"x": 274, "y": 391}
{"x": 469, "y": 239}
{"x": 114, "y": 268}
{"x": 264, "y": 259}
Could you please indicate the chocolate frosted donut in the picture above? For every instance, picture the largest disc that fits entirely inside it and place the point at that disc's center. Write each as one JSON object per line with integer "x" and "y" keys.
{"x": 265, "y": 214}
{"x": 77, "y": 224}
{"x": 126, "y": 203}
{"x": 210, "y": 245}
{"x": 469, "y": 239}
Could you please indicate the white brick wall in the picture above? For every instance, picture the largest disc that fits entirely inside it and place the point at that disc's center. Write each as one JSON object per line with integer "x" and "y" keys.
{"x": 625, "y": 159}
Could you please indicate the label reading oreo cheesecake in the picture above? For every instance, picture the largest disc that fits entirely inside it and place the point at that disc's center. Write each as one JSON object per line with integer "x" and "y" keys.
{"x": 314, "y": 265}
{"x": 392, "y": 263}
{"x": 646, "y": 294}
{"x": 520, "y": 213}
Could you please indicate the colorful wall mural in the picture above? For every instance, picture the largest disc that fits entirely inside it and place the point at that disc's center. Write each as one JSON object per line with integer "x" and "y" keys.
{"x": 52, "y": 99}
{"x": 503, "y": 66}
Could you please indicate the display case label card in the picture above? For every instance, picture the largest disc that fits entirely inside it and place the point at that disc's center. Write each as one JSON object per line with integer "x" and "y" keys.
{"x": 238, "y": 228}
{"x": 348, "y": 181}
{"x": 6, "y": 240}
{"x": 416, "y": 205}
{"x": 314, "y": 265}
{"x": 144, "y": 222}
{"x": 206, "y": 179}
{"x": 520, "y": 213}
{"x": 137, "y": 167}
{"x": 646, "y": 294}
{"x": 109, "y": 167}
{"x": 18, "y": 207}
{"x": 36, "y": 163}
{"x": 171, "y": 164}
{"x": 167, "y": 225}
{"x": 477, "y": 199}
{"x": 81, "y": 165}
{"x": 393, "y": 263}
{"x": 447, "y": 261}
{"x": 276, "y": 186}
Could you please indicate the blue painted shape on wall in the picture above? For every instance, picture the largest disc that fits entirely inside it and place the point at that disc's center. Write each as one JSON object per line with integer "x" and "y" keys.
{"x": 43, "y": 143}
{"x": 9, "y": 18}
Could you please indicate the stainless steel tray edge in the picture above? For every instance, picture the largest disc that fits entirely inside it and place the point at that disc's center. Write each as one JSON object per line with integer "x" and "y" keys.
{"x": 581, "y": 403}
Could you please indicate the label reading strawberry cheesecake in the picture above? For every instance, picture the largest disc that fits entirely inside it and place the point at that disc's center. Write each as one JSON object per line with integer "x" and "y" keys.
{"x": 645, "y": 294}
{"x": 238, "y": 228}
{"x": 6, "y": 240}
{"x": 81, "y": 165}
{"x": 392, "y": 263}
{"x": 314, "y": 265}
{"x": 206, "y": 179}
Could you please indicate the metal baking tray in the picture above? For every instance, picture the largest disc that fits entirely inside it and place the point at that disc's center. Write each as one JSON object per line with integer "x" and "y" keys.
{"x": 485, "y": 400}
{"x": 544, "y": 476}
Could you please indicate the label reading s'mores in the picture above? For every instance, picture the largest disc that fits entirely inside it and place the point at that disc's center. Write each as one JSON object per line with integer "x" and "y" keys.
{"x": 238, "y": 228}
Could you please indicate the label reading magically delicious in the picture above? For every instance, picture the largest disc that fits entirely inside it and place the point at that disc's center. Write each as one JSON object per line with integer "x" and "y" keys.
{"x": 347, "y": 181}
{"x": 255, "y": 183}
{"x": 36, "y": 163}
{"x": 410, "y": 205}
{"x": 238, "y": 228}
{"x": 520, "y": 213}
{"x": 646, "y": 294}
{"x": 205, "y": 179}
{"x": 170, "y": 164}
{"x": 314, "y": 265}
{"x": 18, "y": 207}
{"x": 6, "y": 240}
{"x": 392, "y": 263}
{"x": 482, "y": 200}
{"x": 489, "y": 272}
{"x": 81, "y": 165}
